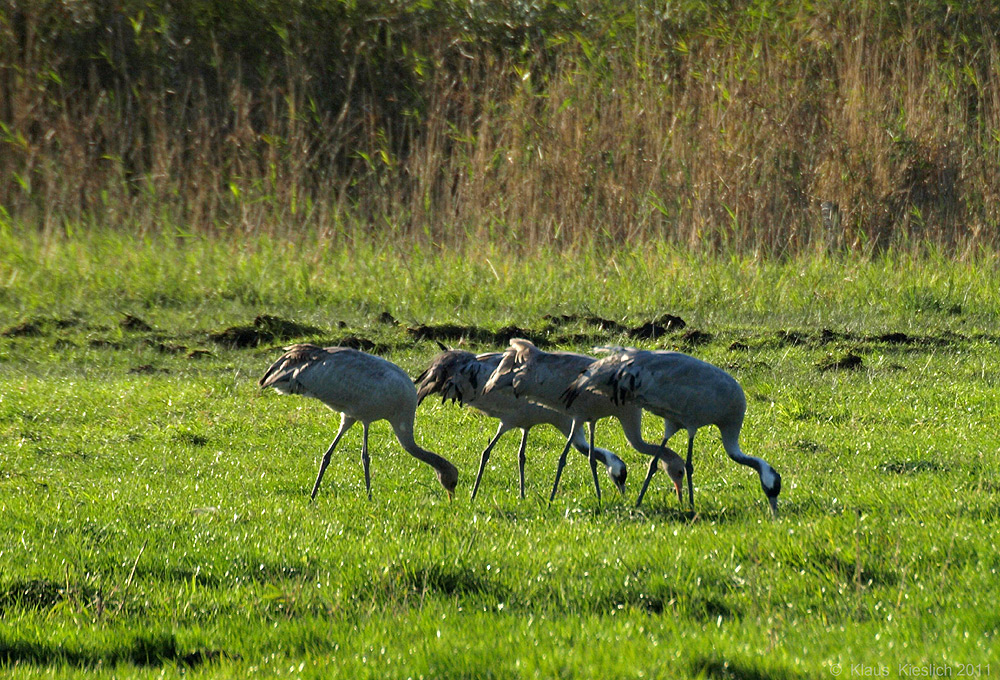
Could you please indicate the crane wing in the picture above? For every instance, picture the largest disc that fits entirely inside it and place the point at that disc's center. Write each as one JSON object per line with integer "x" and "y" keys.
{"x": 283, "y": 373}
{"x": 457, "y": 375}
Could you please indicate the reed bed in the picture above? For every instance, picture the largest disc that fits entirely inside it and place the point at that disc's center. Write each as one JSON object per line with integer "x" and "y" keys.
{"x": 736, "y": 127}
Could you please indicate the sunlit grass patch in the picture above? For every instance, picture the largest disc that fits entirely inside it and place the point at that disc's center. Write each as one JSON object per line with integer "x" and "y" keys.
{"x": 156, "y": 513}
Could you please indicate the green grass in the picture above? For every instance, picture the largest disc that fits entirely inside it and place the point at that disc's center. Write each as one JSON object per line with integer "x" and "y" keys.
{"x": 155, "y": 510}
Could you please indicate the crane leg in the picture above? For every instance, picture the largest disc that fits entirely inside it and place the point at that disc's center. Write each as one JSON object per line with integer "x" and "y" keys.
{"x": 365, "y": 461}
{"x": 669, "y": 429}
{"x": 521, "y": 459}
{"x": 484, "y": 458}
{"x": 562, "y": 464}
{"x": 689, "y": 468}
{"x": 649, "y": 475}
{"x": 593, "y": 462}
{"x": 345, "y": 425}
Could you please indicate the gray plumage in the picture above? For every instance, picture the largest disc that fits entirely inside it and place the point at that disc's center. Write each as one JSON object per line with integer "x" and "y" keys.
{"x": 543, "y": 377}
{"x": 461, "y": 376}
{"x": 362, "y": 387}
{"x": 687, "y": 393}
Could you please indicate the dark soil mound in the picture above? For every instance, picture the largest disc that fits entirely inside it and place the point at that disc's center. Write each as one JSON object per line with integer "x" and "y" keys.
{"x": 265, "y": 328}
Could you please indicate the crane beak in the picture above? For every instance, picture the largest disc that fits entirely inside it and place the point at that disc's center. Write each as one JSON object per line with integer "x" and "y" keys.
{"x": 680, "y": 493}
{"x": 620, "y": 486}
{"x": 773, "y": 500}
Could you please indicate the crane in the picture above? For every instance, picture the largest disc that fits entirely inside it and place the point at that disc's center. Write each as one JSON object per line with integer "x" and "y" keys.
{"x": 362, "y": 387}
{"x": 461, "y": 376}
{"x": 543, "y": 377}
{"x": 687, "y": 393}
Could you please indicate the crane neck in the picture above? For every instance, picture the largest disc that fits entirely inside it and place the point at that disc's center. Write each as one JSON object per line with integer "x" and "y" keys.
{"x": 444, "y": 467}
{"x": 770, "y": 480}
{"x": 631, "y": 422}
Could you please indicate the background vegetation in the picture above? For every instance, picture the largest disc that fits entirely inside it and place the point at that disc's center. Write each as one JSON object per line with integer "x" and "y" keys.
{"x": 723, "y": 125}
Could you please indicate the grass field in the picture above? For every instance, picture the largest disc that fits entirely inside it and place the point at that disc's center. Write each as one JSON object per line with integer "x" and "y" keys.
{"x": 155, "y": 510}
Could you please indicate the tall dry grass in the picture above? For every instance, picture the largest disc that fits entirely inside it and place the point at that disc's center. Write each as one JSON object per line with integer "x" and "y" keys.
{"x": 719, "y": 125}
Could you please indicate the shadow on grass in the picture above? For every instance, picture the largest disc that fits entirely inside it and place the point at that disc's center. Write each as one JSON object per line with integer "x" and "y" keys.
{"x": 148, "y": 649}
{"x": 847, "y": 570}
{"x": 659, "y": 598}
{"x": 34, "y": 594}
{"x": 909, "y": 467}
{"x": 662, "y": 511}
{"x": 718, "y": 669}
{"x": 241, "y": 568}
{"x": 668, "y": 513}
{"x": 400, "y": 582}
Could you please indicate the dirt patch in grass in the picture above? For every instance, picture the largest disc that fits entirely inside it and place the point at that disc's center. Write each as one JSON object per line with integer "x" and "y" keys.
{"x": 846, "y": 362}
{"x": 241, "y": 336}
{"x": 695, "y": 337}
{"x": 504, "y": 335}
{"x": 165, "y": 347}
{"x": 460, "y": 333}
{"x": 603, "y": 324}
{"x": 264, "y": 329}
{"x": 191, "y": 438}
{"x": 39, "y": 326}
{"x": 134, "y": 324}
{"x": 603, "y": 330}
{"x": 31, "y": 328}
{"x": 896, "y": 338}
{"x": 648, "y": 330}
{"x": 357, "y": 342}
{"x": 103, "y": 343}
{"x": 146, "y": 369}
{"x": 655, "y": 328}
{"x": 826, "y": 336}
{"x": 791, "y": 338}
{"x": 449, "y": 332}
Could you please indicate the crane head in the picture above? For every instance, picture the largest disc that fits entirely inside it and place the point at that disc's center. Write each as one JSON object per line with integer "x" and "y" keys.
{"x": 673, "y": 465}
{"x": 618, "y": 474}
{"x": 770, "y": 482}
{"x": 448, "y": 476}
